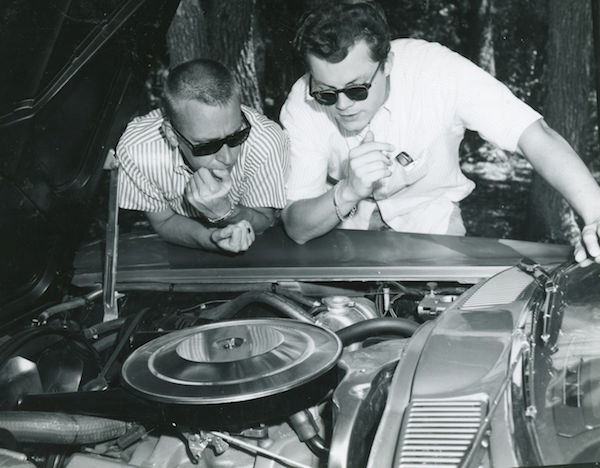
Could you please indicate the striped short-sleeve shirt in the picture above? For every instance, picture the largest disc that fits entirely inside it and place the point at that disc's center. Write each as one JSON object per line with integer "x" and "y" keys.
{"x": 153, "y": 174}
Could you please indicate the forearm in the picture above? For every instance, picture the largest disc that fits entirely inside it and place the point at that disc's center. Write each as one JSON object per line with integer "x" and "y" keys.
{"x": 184, "y": 231}
{"x": 554, "y": 159}
{"x": 259, "y": 218}
{"x": 308, "y": 219}
{"x": 580, "y": 190}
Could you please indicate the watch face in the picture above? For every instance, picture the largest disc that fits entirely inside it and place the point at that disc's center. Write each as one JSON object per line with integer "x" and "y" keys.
{"x": 404, "y": 159}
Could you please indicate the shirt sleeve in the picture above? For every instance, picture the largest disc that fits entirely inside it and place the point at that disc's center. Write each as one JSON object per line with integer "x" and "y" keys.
{"x": 136, "y": 191}
{"x": 266, "y": 169}
{"x": 483, "y": 103}
{"x": 308, "y": 150}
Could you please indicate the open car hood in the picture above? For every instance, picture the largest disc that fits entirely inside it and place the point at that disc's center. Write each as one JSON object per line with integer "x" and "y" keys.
{"x": 73, "y": 76}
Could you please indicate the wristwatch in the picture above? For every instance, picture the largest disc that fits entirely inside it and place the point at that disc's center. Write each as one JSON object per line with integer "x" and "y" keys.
{"x": 404, "y": 159}
{"x": 220, "y": 220}
{"x": 336, "y": 205}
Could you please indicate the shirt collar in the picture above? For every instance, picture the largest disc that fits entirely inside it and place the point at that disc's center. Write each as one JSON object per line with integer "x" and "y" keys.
{"x": 387, "y": 105}
{"x": 307, "y": 95}
{"x": 179, "y": 163}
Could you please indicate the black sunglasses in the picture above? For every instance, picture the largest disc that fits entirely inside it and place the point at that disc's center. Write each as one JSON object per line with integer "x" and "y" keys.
{"x": 356, "y": 92}
{"x": 212, "y": 146}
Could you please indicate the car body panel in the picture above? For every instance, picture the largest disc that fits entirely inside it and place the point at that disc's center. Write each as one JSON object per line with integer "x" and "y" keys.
{"x": 464, "y": 356}
{"x": 566, "y": 390}
{"x": 341, "y": 255}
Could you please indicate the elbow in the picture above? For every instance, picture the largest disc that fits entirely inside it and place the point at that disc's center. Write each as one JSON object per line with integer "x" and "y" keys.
{"x": 161, "y": 222}
{"x": 294, "y": 228}
{"x": 163, "y": 232}
{"x": 158, "y": 226}
{"x": 268, "y": 220}
{"x": 296, "y": 234}
{"x": 301, "y": 240}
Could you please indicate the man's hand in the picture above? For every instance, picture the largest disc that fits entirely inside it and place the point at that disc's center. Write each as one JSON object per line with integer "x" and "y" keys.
{"x": 207, "y": 192}
{"x": 588, "y": 244}
{"x": 368, "y": 164}
{"x": 554, "y": 159}
{"x": 390, "y": 185}
{"x": 234, "y": 237}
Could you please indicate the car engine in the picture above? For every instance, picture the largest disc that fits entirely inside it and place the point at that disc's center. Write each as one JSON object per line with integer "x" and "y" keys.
{"x": 287, "y": 377}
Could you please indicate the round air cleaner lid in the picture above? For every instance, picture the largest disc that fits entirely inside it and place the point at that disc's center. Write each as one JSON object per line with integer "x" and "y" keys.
{"x": 231, "y": 361}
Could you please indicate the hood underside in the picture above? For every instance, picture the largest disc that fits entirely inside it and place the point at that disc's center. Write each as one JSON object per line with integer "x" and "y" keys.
{"x": 73, "y": 74}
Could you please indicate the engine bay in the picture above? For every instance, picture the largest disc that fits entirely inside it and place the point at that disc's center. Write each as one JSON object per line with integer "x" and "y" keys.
{"x": 290, "y": 376}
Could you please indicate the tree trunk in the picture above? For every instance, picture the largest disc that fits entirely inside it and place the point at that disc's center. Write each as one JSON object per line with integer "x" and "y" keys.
{"x": 486, "y": 54}
{"x": 568, "y": 86}
{"x": 282, "y": 67}
{"x": 223, "y": 31}
{"x": 187, "y": 35}
{"x": 479, "y": 46}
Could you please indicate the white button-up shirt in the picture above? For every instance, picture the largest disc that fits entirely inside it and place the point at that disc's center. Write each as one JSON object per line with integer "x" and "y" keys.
{"x": 435, "y": 94}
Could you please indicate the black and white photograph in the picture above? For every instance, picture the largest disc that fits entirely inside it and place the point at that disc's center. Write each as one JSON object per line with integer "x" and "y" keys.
{"x": 299, "y": 233}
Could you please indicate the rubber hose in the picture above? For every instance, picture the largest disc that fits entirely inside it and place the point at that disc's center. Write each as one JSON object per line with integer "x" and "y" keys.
{"x": 123, "y": 340}
{"x": 317, "y": 310}
{"x": 317, "y": 446}
{"x": 68, "y": 305}
{"x": 296, "y": 296}
{"x": 14, "y": 345}
{"x": 375, "y": 327}
{"x": 104, "y": 327}
{"x": 60, "y": 428}
{"x": 283, "y": 305}
{"x": 17, "y": 341}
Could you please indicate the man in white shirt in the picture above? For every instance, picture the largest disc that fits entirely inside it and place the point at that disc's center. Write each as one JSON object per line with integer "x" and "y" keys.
{"x": 375, "y": 128}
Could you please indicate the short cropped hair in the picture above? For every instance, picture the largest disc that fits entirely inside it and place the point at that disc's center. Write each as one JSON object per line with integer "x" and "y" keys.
{"x": 331, "y": 28}
{"x": 202, "y": 80}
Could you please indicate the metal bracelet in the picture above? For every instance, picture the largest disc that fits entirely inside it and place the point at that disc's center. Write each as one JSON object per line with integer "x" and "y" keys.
{"x": 338, "y": 213}
{"x": 224, "y": 217}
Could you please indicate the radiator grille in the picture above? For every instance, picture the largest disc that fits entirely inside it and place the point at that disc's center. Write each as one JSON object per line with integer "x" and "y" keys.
{"x": 439, "y": 432}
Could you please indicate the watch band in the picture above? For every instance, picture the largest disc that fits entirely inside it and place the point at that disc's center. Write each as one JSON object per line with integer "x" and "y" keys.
{"x": 220, "y": 219}
{"x": 336, "y": 205}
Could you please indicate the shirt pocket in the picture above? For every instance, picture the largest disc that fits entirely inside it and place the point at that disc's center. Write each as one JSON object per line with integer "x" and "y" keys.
{"x": 416, "y": 169}
{"x": 405, "y": 172}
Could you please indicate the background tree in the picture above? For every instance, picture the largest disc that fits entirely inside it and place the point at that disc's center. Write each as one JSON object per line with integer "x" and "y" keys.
{"x": 224, "y": 31}
{"x": 482, "y": 35}
{"x": 567, "y": 108}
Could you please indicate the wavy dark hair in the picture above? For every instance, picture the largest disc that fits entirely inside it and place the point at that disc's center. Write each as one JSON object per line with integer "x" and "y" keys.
{"x": 332, "y": 27}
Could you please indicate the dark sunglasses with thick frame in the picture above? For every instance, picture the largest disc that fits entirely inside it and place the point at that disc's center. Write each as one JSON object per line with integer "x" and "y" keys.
{"x": 356, "y": 92}
{"x": 212, "y": 146}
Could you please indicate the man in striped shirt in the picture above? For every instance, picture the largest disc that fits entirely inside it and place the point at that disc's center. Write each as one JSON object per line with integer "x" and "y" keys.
{"x": 207, "y": 171}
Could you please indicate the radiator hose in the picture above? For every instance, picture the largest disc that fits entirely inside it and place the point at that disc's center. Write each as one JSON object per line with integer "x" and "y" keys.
{"x": 376, "y": 327}
{"x": 306, "y": 428}
{"x": 285, "y": 306}
{"x": 60, "y": 428}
